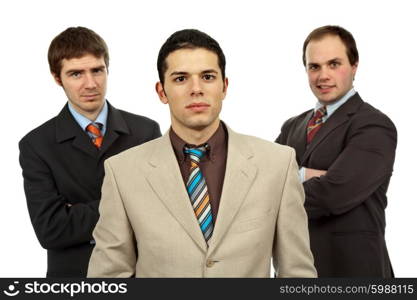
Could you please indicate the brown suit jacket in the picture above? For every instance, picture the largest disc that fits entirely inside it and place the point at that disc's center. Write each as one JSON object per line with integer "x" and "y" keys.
{"x": 346, "y": 206}
{"x": 147, "y": 227}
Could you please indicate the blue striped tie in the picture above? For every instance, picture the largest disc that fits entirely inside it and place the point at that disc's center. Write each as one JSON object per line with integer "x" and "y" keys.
{"x": 198, "y": 193}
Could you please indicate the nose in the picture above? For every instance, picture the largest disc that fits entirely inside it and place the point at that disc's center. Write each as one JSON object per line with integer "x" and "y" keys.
{"x": 323, "y": 74}
{"x": 90, "y": 81}
{"x": 196, "y": 88}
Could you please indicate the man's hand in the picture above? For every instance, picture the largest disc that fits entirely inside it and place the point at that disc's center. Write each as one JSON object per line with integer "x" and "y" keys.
{"x": 310, "y": 173}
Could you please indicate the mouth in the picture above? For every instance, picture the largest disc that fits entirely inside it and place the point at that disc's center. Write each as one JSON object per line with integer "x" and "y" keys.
{"x": 90, "y": 96}
{"x": 323, "y": 88}
{"x": 198, "y": 107}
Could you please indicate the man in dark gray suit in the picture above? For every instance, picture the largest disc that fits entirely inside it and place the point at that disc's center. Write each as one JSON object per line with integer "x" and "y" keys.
{"x": 62, "y": 160}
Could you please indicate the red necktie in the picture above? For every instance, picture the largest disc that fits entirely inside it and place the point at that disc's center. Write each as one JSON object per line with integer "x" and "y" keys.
{"x": 97, "y": 138}
{"x": 315, "y": 123}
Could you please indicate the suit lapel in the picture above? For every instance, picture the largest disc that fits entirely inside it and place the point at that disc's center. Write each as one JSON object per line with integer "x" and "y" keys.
{"x": 166, "y": 180}
{"x": 116, "y": 125}
{"x": 239, "y": 177}
{"x": 300, "y": 136}
{"x": 339, "y": 117}
{"x": 67, "y": 128}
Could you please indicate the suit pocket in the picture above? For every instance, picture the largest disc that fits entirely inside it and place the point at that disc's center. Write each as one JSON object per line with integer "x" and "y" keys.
{"x": 252, "y": 223}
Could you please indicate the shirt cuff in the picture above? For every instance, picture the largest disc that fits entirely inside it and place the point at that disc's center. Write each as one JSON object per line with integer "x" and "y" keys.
{"x": 302, "y": 174}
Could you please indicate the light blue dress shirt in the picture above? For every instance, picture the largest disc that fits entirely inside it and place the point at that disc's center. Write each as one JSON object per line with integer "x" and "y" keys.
{"x": 84, "y": 122}
{"x": 331, "y": 108}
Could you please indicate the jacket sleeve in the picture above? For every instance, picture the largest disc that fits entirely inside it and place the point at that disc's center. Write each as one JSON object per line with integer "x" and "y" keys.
{"x": 292, "y": 256}
{"x": 114, "y": 254}
{"x": 57, "y": 225}
{"x": 365, "y": 163}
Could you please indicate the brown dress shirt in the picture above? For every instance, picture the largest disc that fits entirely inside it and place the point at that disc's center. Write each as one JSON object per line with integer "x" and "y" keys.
{"x": 212, "y": 165}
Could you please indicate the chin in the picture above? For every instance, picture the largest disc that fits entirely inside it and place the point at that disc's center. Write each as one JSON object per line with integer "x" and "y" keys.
{"x": 199, "y": 124}
{"x": 327, "y": 99}
{"x": 94, "y": 103}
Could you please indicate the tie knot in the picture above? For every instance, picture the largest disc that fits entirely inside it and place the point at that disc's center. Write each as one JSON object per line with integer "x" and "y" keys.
{"x": 196, "y": 153}
{"x": 321, "y": 112}
{"x": 95, "y": 129}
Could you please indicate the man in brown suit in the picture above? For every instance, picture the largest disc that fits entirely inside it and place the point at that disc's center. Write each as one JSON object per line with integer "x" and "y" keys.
{"x": 203, "y": 200}
{"x": 345, "y": 148}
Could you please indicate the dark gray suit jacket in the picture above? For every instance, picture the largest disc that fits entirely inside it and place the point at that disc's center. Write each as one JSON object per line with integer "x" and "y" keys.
{"x": 63, "y": 172}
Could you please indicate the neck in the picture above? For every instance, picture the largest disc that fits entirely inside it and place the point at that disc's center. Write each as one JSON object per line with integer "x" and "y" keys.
{"x": 196, "y": 136}
{"x": 92, "y": 116}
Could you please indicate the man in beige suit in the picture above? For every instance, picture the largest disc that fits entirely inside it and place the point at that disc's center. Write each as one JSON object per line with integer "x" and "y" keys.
{"x": 202, "y": 201}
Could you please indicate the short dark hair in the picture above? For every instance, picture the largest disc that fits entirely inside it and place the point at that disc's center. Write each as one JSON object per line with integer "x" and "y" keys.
{"x": 345, "y": 36}
{"x": 189, "y": 39}
{"x": 75, "y": 42}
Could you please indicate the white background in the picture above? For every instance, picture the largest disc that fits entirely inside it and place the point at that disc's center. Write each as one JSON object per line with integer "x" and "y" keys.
{"x": 262, "y": 41}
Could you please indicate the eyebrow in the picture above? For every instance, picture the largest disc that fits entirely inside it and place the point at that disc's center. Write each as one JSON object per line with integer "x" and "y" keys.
{"x": 176, "y": 73}
{"x": 209, "y": 71}
{"x": 336, "y": 59}
{"x": 74, "y": 71}
{"x": 100, "y": 67}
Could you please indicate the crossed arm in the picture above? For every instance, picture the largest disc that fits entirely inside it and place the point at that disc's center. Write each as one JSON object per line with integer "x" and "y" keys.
{"x": 361, "y": 168}
{"x": 56, "y": 222}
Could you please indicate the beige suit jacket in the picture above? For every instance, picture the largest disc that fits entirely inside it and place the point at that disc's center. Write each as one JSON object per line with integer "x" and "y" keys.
{"x": 147, "y": 227}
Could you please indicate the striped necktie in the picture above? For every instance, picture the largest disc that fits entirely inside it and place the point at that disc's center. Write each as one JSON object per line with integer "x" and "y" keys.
{"x": 315, "y": 123}
{"x": 198, "y": 193}
{"x": 94, "y": 130}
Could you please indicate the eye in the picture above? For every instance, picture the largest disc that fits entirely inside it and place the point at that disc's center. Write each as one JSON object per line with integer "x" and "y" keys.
{"x": 334, "y": 64}
{"x": 313, "y": 67}
{"x": 98, "y": 70}
{"x": 179, "y": 79}
{"x": 208, "y": 77}
{"x": 75, "y": 74}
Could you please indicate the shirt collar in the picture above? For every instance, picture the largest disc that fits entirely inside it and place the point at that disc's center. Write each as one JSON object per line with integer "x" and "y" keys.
{"x": 215, "y": 142}
{"x": 331, "y": 108}
{"x": 84, "y": 122}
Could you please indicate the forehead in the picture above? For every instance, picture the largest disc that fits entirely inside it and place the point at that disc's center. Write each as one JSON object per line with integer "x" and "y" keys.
{"x": 86, "y": 61}
{"x": 325, "y": 49}
{"x": 192, "y": 60}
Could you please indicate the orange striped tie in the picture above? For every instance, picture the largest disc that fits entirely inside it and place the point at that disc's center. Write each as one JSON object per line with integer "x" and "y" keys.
{"x": 96, "y": 136}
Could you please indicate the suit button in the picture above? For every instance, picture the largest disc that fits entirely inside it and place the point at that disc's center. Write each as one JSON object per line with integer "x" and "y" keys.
{"x": 209, "y": 263}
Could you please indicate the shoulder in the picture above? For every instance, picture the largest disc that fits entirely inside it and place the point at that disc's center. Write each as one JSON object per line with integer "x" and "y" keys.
{"x": 294, "y": 121}
{"x": 138, "y": 125}
{"x": 299, "y": 117}
{"x": 368, "y": 115}
{"x": 44, "y": 132}
{"x": 266, "y": 148}
{"x": 137, "y": 120}
{"x": 267, "y": 156}
{"x": 138, "y": 153}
